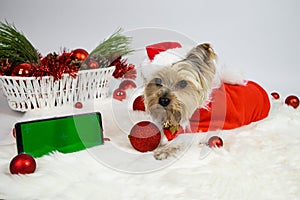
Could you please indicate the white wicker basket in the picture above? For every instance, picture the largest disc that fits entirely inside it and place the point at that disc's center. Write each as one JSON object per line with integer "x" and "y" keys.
{"x": 27, "y": 93}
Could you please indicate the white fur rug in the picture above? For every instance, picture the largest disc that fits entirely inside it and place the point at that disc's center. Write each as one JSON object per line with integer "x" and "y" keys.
{"x": 258, "y": 161}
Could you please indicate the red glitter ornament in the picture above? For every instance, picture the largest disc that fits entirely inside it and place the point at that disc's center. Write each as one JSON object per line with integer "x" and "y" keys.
{"x": 22, "y": 164}
{"x": 138, "y": 103}
{"x": 144, "y": 136}
{"x": 79, "y": 54}
{"x": 275, "y": 95}
{"x": 292, "y": 100}
{"x": 119, "y": 94}
{"x": 23, "y": 69}
{"x": 127, "y": 84}
{"x": 215, "y": 141}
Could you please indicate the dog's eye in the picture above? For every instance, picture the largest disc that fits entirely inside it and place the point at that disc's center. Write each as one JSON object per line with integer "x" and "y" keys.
{"x": 181, "y": 84}
{"x": 158, "y": 81}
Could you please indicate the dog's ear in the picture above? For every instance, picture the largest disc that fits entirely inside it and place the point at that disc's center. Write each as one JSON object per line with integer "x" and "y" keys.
{"x": 209, "y": 50}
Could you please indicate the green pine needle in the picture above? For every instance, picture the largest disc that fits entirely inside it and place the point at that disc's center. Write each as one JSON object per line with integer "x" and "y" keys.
{"x": 116, "y": 45}
{"x": 15, "y": 47}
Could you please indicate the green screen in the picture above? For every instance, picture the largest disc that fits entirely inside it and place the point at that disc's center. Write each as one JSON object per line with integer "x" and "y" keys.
{"x": 65, "y": 134}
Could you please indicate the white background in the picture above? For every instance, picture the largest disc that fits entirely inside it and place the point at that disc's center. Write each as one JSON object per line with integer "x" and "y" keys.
{"x": 258, "y": 37}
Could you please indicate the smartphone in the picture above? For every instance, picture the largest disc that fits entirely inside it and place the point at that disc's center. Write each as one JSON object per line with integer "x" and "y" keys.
{"x": 64, "y": 134}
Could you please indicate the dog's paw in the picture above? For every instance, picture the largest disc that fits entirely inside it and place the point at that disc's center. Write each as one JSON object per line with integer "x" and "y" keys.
{"x": 166, "y": 151}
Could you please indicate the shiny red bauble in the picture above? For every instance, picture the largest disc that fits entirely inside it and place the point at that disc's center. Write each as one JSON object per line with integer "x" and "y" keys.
{"x": 215, "y": 141}
{"x": 144, "y": 136}
{"x": 138, "y": 103}
{"x": 275, "y": 95}
{"x": 292, "y": 100}
{"x": 22, "y": 164}
{"x": 78, "y": 105}
{"x": 127, "y": 84}
{"x": 119, "y": 94}
{"x": 79, "y": 54}
{"x": 93, "y": 64}
{"x": 23, "y": 69}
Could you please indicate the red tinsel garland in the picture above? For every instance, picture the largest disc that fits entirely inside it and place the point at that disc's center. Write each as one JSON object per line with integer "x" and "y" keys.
{"x": 55, "y": 65}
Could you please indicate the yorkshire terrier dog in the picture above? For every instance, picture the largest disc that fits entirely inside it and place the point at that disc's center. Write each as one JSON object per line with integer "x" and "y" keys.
{"x": 176, "y": 91}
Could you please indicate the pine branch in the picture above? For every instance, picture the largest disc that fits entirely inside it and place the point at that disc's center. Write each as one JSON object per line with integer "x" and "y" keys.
{"x": 116, "y": 45}
{"x": 15, "y": 47}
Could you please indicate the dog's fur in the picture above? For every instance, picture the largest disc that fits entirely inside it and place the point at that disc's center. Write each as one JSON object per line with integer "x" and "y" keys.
{"x": 175, "y": 92}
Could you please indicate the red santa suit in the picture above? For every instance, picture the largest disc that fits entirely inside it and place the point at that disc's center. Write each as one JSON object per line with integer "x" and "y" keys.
{"x": 231, "y": 106}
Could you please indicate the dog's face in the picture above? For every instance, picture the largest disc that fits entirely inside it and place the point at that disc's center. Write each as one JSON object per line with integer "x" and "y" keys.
{"x": 175, "y": 92}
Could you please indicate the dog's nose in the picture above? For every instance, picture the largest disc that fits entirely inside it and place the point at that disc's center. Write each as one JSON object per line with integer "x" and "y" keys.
{"x": 164, "y": 101}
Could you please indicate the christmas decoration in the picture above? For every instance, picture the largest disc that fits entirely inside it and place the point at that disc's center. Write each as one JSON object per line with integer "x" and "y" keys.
{"x": 215, "y": 141}
{"x": 144, "y": 136}
{"x": 119, "y": 94}
{"x": 138, "y": 103}
{"x": 79, "y": 54}
{"x": 112, "y": 48}
{"x": 15, "y": 47}
{"x": 275, "y": 95}
{"x": 123, "y": 70}
{"x": 56, "y": 65}
{"x": 4, "y": 67}
{"x": 154, "y": 49}
{"x": 78, "y": 105}
{"x": 170, "y": 133}
{"x": 127, "y": 84}
{"x": 93, "y": 64}
{"x": 19, "y": 58}
{"x": 23, "y": 69}
{"x": 292, "y": 100}
{"x": 22, "y": 164}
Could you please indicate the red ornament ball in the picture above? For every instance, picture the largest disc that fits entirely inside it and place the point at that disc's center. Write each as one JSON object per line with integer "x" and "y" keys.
{"x": 215, "y": 141}
{"x": 138, "y": 103}
{"x": 275, "y": 95}
{"x": 78, "y": 105}
{"x": 127, "y": 84}
{"x": 24, "y": 69}
{"x": 93, "y": 64}
{"x": 119, "y": 94}
{"x": 22, "y": 164}
{"x": 144, "y": 136}
{"x": 292, "y": 100}
{"x": 79, "y": 54}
